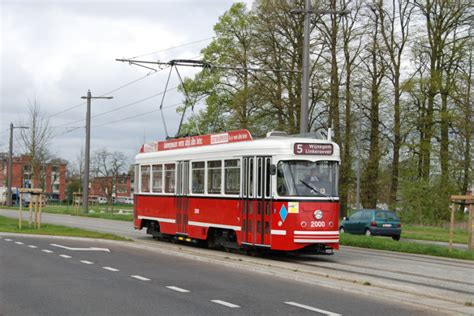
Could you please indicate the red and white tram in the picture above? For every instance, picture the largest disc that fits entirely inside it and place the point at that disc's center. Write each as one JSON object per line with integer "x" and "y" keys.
{"x": 277, "y": 193}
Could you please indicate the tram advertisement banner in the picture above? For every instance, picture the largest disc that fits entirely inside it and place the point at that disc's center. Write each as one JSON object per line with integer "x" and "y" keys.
{"x": 204, "y": 140}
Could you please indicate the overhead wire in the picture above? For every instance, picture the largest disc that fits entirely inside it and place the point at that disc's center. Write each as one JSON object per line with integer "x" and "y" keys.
{"x": 132, "y": 82}
{"x": 170, "y": 48}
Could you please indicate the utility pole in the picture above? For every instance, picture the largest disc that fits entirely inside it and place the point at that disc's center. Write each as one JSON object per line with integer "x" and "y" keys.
{"x": 308, "y": 11}
{"x": 10, "y": 164}
{"x": 306, "y": 71}
{"x": 85, "y": 184}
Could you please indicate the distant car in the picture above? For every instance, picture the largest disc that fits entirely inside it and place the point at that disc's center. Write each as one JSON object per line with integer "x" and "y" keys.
{"x": 373, "y": 223}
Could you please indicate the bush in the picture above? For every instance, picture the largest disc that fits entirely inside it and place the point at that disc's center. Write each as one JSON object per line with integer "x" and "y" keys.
{"x": 425, "y": 202}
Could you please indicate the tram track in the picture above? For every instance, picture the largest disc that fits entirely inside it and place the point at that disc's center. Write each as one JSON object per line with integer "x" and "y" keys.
{"x": 391, "y": 278}
{"x": 413, "y": 257}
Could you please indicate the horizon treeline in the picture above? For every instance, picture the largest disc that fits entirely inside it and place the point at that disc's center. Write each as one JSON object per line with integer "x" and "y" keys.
{"x": 393, "y": 79}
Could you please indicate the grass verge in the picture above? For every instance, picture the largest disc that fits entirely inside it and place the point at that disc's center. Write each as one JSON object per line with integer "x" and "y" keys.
{"x": 384, "y": 243}
{"x": 10, "y": 225}
{"x": 460, "y": 236}
{"x": 97, "y": 212}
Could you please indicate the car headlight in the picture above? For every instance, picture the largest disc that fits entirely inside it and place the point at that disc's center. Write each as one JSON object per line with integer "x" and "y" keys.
{"x": 318, "y": 215}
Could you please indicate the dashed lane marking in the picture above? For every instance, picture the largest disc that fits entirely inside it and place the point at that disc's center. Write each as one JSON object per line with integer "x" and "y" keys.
{"x": 87, "y": 262}
{"x": 32, "y": 246}
{"x": 177, "y": 289}
{"x": 225, "y": 303}
{"x": 8, "y": 239}
{"x": 19, "y": 243}
{"x": 65, "y": 256}
{"x": 314, "y": 309}
{"x": 47, "y": 251}
{"x": 139, "y": 277}
{"x": 110, "y": 269}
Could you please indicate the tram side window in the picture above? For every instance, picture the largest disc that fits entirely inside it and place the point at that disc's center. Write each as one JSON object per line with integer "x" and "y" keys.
{"x": 214, "y": 176}
{"x": 198, "y": 174}
{"x": 232, "y": 176}
{"x": 157, "y": 178}
{"x": 145, "y": 178}
{"x": 170, "y": 177}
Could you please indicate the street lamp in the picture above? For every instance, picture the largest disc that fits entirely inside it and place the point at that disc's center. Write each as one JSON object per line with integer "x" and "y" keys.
{"x": 10, "y": 164}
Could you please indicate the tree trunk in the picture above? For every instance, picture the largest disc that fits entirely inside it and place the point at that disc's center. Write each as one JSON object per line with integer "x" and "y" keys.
{"x": 444, "y": 144}
{"x": 396, "y": 141}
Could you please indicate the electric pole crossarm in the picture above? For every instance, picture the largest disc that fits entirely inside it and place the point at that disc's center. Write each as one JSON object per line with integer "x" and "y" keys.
{"x": 201, "y": 64}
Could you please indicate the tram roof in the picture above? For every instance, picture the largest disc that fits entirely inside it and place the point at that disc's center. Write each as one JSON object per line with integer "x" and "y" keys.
{"x": 272, "y": 145}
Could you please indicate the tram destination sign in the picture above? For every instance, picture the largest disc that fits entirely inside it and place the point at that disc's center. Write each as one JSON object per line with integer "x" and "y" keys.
{"x": 313, "y": 149}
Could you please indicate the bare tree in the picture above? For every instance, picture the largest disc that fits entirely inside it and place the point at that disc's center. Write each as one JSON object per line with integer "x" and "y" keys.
{"x": 35, "y": 140}
{"x": 106, "y": 167}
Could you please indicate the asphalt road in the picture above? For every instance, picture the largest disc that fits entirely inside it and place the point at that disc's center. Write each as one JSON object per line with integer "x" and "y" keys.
{"x": 38, "y": 278}
{"x": 432, "y": 281}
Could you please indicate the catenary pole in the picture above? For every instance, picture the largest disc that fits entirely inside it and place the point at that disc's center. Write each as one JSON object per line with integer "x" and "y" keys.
{"x": 85, "y": 183}
{"x": 305, "y": 73}
{"x": 308, "y": 12}
{"x": 10, "y": 158}
{"x": 10, "y": 164}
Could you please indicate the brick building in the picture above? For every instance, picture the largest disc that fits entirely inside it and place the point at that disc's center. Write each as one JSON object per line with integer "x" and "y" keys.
{"x": 106, "y": 186}
{"x": 51, "y": 176}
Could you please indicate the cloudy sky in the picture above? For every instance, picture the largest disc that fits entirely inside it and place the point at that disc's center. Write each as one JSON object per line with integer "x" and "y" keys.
{"x": 52, "y": 52}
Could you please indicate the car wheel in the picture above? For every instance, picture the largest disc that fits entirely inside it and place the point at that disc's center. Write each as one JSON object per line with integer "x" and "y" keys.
{"x": 397, "y": 238}
{"x": 341, "y": 230}
{"x": 368, "y": 232}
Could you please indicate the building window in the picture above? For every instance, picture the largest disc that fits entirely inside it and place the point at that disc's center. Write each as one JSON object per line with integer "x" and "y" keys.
{"x": 27, "y": 176}
{"x": 157, "y": 175}
{"x": 198, "y": 173}
{"x": 145, "y": 178}
{"x": 232, "y": 176}
{"x": 170, "y": 178}
{"x": 214, "y": 176}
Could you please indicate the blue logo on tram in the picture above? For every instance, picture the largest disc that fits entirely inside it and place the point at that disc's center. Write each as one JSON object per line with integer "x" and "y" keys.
{"x": 283, "y": 212}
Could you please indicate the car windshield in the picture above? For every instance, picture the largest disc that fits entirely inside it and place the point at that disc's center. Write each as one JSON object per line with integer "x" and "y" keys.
{"x": 386, "y": 215}
{"x": 307, "y": 178}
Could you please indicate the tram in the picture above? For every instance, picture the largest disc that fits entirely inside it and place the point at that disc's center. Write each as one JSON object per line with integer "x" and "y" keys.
{"x": 229, "y": 190}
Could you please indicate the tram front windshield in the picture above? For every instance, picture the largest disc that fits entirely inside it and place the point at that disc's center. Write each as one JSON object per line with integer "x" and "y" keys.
{"x": 307, "y": 178}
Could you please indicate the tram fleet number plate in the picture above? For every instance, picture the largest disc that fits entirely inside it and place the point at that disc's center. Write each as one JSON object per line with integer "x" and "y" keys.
{"x": 313, "y": 149}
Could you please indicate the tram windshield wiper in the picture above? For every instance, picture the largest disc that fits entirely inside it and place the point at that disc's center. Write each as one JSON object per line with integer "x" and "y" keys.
{"x": 316, "y": 190}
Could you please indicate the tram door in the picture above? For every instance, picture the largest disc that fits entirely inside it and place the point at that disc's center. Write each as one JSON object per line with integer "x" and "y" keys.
{"x": 256, "y": 204}
{"x": 182, "y": 192}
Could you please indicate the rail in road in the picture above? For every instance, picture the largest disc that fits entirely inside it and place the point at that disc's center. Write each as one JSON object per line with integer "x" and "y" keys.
{"x": 443, "y": 279}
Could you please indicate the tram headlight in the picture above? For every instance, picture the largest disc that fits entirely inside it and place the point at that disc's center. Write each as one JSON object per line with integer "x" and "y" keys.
{"x": 318, "y": 215}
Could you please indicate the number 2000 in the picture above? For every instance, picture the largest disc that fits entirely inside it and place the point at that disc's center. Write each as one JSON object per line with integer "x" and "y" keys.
{"x": 318, "y": 224}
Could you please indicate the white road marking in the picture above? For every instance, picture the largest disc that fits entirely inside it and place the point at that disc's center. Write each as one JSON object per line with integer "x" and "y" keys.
{"x": 177, "y": 289}
{"x": 65, "y": 256}
{"x": 87, "y": 262}
{"x": 18, "y": 243}
{"x": 32, "y": 246}
{"x": 47, "y": 251}
{"x": 314, "y": 309}
{"x": 139, "y": 277}
{"x": 110, "y": 269}
{"x": 7, "y": 239}
{"x": 225, "y": 303}
{"x": 81, "y": 249}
